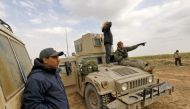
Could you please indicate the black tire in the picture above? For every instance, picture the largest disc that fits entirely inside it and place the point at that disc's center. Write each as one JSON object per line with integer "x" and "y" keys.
{"x": 94, "y": 100}
{"x": 106, "y": 99}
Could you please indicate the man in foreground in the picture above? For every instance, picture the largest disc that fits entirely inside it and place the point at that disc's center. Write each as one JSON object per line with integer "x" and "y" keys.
{"x": 44, "y": 88}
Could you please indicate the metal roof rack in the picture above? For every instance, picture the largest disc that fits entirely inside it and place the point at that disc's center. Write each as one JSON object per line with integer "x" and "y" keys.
{"x": 6, "y": 25}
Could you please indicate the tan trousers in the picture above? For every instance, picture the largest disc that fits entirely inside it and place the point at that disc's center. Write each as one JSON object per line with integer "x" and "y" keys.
{"x": 133, "y": 63}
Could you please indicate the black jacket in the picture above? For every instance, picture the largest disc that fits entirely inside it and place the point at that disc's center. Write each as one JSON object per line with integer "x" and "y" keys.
{"x": 108, "y": 38}
{"x": 44, "y": 89}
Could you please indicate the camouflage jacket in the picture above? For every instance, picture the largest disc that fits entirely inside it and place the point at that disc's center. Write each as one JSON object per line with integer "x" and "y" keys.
{"x": 122, "y": 53}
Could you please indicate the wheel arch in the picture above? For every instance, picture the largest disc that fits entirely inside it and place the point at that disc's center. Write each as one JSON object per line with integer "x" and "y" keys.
{"x": 102, "y": 99}
{"x": 98, "y": 87}
{"x": 89, "y": 83}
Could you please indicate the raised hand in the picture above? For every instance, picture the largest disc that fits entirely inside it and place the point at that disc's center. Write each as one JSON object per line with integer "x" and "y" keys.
{"x": 143, "y": 43}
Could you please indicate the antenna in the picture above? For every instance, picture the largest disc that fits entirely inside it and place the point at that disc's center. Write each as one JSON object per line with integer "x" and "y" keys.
{"x": 66, "y": 41}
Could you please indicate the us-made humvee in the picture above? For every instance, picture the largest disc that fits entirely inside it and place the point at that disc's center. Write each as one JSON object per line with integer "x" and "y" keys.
{"x": 15, "y": 65}
{"x": 113, "y": 87}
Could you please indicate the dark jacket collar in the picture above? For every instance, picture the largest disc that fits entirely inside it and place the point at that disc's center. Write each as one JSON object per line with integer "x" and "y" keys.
{"x": 39, "y": 65}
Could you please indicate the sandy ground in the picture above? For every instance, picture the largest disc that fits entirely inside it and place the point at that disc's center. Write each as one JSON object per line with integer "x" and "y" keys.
{"x": 180, "y": 78}
{"x": 177, "y": 76}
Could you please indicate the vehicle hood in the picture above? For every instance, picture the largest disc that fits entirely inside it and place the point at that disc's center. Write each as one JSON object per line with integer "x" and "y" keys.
{"x": 118, "y": 72}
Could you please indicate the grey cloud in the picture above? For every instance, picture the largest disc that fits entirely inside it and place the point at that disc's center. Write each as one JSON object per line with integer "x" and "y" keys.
{"x": 167, "y": 22}
{"x": 173, "y": 22}
{"x": 27, "y": 4}
{"x": 36, "y": 21}
{"x": 2, "y": 10}
{"x": 165, "y": 29}
{"x": 99, "y": 9}
{"x": 43, "y": 40}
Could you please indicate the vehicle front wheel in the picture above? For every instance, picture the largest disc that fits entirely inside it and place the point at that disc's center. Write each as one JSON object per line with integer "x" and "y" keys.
{"x": 93, "y": 99}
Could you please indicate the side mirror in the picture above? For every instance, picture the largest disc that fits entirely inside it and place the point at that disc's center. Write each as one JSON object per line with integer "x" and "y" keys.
{"x": 68, "y": 68}
{"x": 80, "y": 67}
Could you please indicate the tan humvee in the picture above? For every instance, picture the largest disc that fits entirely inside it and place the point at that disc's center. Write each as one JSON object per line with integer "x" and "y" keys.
{"x": 15, "y": 65}
{"x": 114, "y": 87}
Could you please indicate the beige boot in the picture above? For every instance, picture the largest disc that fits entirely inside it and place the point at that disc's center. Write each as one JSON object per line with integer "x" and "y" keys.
{"x": 107, "y": 65}
{"x": 149, "y": 69}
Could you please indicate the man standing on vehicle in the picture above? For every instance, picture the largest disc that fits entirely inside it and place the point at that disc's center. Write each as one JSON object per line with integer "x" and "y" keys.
{"x": 44, "y": 88}
{"x": 121, "y": 56}
{"x": 108, "y": 40}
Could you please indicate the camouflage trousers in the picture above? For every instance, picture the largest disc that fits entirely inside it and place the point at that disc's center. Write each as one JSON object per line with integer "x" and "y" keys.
{"x": 134, "y": 63}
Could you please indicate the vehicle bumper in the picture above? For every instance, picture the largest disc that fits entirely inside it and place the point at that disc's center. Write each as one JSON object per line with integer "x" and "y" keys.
{"x": 141, "y": 98}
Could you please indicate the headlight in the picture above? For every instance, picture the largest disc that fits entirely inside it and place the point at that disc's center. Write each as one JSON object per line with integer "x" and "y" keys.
{"x": 150, "y": 79}
{"x": 90, "y": 67}
{"x": 124, "y": 86}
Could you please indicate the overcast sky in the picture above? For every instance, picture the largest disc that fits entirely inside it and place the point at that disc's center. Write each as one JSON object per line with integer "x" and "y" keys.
{"x": 163, "y": 24}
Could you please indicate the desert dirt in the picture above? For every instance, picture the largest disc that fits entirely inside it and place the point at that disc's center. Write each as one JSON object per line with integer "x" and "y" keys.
{"x": 178, "y": 76}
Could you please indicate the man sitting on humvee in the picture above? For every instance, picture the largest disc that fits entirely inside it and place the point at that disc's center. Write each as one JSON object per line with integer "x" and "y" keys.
{"x": 121, "y": 56}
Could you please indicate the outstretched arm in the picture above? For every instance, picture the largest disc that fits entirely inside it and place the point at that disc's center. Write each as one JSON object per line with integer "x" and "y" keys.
{"x": 134, "y": 46}
{"x": 143, "y": 44}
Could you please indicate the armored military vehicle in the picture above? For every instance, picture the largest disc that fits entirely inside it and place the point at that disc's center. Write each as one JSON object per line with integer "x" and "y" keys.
{"x": 113, "y": 87}
{"x": 15, "y": 65}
